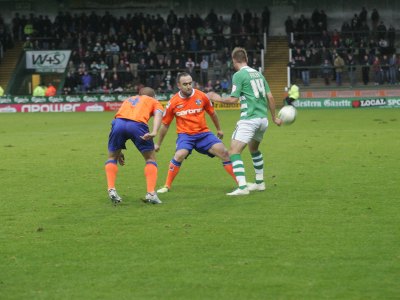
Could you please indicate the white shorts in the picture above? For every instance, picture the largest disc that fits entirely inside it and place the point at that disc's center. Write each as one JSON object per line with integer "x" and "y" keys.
{"x": 247, "y": 130}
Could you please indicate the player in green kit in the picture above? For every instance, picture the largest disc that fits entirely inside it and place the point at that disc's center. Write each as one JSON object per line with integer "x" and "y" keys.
{"x": 250, "y": 88}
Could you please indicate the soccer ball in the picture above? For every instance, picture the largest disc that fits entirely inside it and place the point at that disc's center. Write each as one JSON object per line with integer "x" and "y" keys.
{"x": 287, "y": 114}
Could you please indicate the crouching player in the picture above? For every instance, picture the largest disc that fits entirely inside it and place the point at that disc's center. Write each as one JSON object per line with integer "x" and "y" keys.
{"x": 189, "y": 106}
{"x": 131, "y": 123}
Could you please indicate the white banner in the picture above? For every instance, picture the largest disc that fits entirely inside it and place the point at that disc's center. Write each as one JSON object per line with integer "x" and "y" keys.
{"x": 48, "y": 61}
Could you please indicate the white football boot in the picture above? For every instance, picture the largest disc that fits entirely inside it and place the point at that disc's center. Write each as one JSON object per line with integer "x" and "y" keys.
{"x": 256, "y": 186}
{"x": 112, "y": 193}
{"x": 239, "y": 192}
{"x": 152, "y": 198}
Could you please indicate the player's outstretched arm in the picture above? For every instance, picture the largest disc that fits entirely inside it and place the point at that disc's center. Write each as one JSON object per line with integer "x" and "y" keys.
{"x": 217, "y": 98}
{"x": 163, "y": 131}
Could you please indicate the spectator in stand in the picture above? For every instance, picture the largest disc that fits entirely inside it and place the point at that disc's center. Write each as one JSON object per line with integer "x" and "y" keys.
{"x": 293, "y": 70}
{"x": 115, "y": 50}
{"x": 236, "y": 22}
{"x": 217, "y": 86}
{"x": 86, "y": 81}
{"x": 142, "y": 67}
{"x": 209, "y": 86}
{"x": 226, "y": 31}
{"x": 265, "y": 20}
{"x": 134, "y": 63}
{"x": 189, "y": 66}
{"x": 289, "y": 26}
{"x": 172, "y": 19}
{"x": 70, "y": 84}
{"x": 115, "y": 84}
{"x": 28, "y": 45}
{"x": 51, "y": 90}
{"x": 383, "y": 46}
{"x": 381, "y": 30}
{"x": 217, "y": 68}
{"x": 225, "y": 86}
{"x": 326, "y": 71}
{"x": 393, "y": 67}
{"x": 339, "y": 65}
{"x": 102, "y": 77}
{"x": 377, "y": 70}
{"x": 351, "y": 68}
{"x": 375, "y": 19}
{"x": 203, "y": 71}
{"x": 365, "y": 67}
{"x": 385, "y": 69}
{"x": 127, "y": 78}
{"x": 305, "y": 70}
{"x": 363, "y": 15}
{"x": 391, "y": 37}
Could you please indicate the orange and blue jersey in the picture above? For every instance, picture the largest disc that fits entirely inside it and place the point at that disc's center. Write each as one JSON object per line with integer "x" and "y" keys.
{"x": 189, "y": 112}
{"x": 138, "y": 108}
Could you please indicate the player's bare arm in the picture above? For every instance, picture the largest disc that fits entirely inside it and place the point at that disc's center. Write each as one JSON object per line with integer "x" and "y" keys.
{"x": 271, "y": 106}
{"x": 156, "y": 126}
{"x": 215, "y": 120}
{"x": 163, "y": 131}
{"x": 217, "y": 98}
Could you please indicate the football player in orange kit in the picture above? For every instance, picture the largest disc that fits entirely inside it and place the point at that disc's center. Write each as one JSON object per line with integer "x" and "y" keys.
{"x": 130, "y": 123}
{"x": 189, "y": 106}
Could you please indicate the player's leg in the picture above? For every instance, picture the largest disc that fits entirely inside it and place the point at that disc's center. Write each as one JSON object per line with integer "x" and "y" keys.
{"x": 258, "y": 164}
{"x": 238, "y": 167}
{"x": 173, "y": 169}
{"x": 151, "y": 172}
{"x": 241, "y": 136}
{"x": 219, "y": 150}
{"x": 135, "y": 130}
{"x": 257, "y": 157}
{"x": 116, "y": 142}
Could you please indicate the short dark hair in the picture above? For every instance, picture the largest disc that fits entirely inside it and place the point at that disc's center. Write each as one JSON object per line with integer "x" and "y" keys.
{"x": 180, "y": 75}
{"x": 147, "y": 91}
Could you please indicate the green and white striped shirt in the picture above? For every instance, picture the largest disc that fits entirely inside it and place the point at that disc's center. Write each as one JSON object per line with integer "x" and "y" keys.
{"x": 251, "y": 88}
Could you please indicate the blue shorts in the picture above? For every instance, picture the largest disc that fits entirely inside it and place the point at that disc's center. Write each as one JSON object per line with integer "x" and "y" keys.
{"x": 200, "y": 142}
{"x": 123, "y": 130}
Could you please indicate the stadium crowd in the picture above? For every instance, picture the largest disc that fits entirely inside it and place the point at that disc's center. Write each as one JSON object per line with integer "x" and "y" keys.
{"x": 115, "y": 54}
{"x": 111, "y": 54}
{"x": 357, "y": 51}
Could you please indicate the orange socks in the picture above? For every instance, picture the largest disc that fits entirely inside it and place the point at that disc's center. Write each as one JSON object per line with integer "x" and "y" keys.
{"x": 173, "y": 170}
{"x": 111, "y": 168}
{"x": 229, "y": 169}
{"x": 150, "y": 172}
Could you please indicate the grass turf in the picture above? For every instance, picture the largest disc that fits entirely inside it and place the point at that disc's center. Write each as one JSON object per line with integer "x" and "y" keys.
{"x": 326, "y": 228}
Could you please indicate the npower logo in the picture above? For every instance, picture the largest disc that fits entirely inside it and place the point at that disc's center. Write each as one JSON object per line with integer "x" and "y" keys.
{"x": 67, "y": 107}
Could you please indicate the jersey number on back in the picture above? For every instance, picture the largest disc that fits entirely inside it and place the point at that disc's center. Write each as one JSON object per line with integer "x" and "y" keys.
{"x": 258, "y": 86}
{"x": 134, "y": 101}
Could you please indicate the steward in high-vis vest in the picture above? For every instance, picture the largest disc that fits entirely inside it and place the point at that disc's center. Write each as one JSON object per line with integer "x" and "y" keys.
{"x": 293, "y": 94}
{"x": 39, "y": 91}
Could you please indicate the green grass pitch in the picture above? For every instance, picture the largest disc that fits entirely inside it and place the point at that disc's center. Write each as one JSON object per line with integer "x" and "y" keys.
{"x": 327, "y": 227}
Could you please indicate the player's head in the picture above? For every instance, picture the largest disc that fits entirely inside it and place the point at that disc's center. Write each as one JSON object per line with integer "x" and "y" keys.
{"x": 185, "y": 83}
{"x": 147, "y": 91}
{"x": 239, "y": 57}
